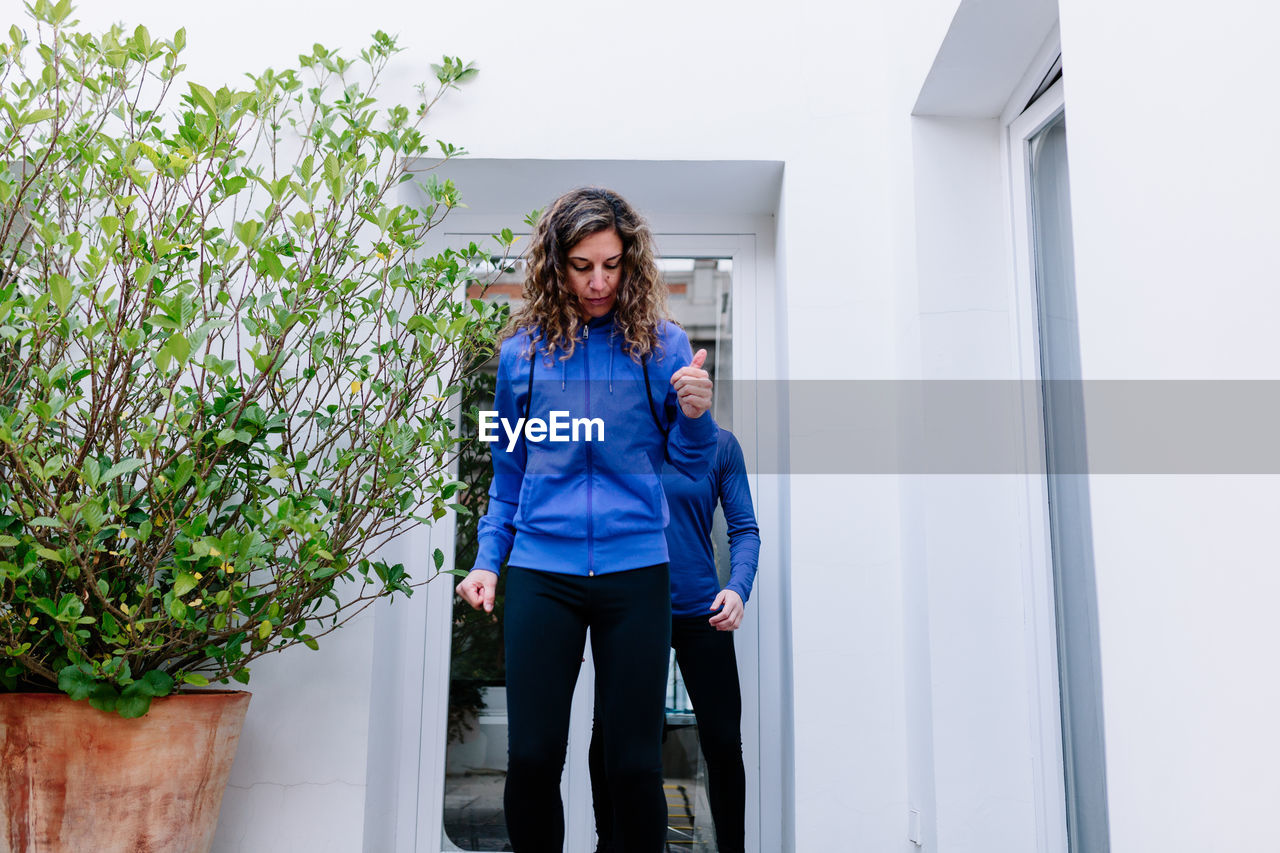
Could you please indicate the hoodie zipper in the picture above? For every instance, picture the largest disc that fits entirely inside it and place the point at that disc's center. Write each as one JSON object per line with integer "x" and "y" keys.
{"x": 586, "y": 363}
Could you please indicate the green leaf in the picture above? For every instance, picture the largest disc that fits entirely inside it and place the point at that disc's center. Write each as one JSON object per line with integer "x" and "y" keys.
{"x": 38, "y": 115}
{"x": 438, "y": 557}
{"x": 93, "y": 515}
{"x": 179, "y": 347}
{"x": 157, "y": 683}
{"x": 203, "y": 96}
{"x": 61, "y": 291}
{"x": 162, "y": 358}
{"x": 195, "y": 678}
{"x": 91, "y": 473}
{"x": 104, "y": 697}
{"x": 132, "y": 704}
{"x": 135, "y": 700}
{"x": 186, "y": 468}
{"x": 264, "y": 629}
{"x": 247, "y": 232}
{"x": 220, "y": 366}
{"x": 271, "y": 264}
{"x": 76, "y": 682}
{"x": 183, "y": 584}
{"x": 125, "y": 466}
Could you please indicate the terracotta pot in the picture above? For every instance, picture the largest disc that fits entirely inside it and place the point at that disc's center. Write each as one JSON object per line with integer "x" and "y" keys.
{"x": 74, "y": 779}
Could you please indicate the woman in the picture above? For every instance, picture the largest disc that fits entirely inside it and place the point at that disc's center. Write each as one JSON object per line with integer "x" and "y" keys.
{"x": 702, "y": 618}
{"x": 580, "y": 523}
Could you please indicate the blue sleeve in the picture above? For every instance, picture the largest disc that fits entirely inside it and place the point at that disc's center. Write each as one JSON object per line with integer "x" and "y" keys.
{"x": 691, "y": 444}
{"x": 744, "y": 533}
{"x": 496, "y": 530}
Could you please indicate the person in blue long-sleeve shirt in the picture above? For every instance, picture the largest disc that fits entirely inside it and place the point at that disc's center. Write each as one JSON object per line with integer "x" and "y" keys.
{"x": 703, "y": 617}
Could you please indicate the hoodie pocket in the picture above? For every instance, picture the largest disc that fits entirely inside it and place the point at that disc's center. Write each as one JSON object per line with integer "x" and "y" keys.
{"x": 633, "y": 504}
{"x": 554, "y": 504}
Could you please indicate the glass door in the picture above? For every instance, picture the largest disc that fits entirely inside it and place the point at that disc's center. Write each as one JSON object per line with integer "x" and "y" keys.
{"x": 1079, "y": 669}
{"x": 1069, "y": 636}
{"x": 700, "y": 300}
{"x": 476, "y": 750}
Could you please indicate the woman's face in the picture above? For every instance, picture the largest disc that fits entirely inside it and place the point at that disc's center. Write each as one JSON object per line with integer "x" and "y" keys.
{"x": 595, "y": 267}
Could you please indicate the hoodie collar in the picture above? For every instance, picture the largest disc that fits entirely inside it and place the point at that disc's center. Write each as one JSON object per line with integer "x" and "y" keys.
{"x": 601, "y": 322}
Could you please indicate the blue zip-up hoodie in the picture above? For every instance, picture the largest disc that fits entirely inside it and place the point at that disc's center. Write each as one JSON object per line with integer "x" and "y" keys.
{"x": 589, "y": 507}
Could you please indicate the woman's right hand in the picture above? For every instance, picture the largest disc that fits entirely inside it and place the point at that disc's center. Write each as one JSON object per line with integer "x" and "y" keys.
{"x": 478, "y": 589}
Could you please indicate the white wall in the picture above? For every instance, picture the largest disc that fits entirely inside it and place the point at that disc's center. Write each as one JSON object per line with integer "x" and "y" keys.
{"x": 1173, "y": 189}
{"x": 823, "y": 87}
{"x": 298, "y": 781}
{"x": 1175, "y": 230}
{"x": 964, "y": 535}
{"x": 694, "y": 81}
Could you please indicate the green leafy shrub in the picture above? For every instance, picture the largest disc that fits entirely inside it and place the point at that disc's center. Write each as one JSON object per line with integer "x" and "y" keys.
{"x": 225, "y": 360}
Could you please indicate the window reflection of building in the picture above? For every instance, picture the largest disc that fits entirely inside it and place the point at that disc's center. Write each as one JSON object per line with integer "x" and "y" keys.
{"x": 697, "y": 298}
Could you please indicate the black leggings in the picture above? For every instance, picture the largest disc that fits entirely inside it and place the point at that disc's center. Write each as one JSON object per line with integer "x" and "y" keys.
{"x": 710, "y": 668}
{"x": 546, "y": 621}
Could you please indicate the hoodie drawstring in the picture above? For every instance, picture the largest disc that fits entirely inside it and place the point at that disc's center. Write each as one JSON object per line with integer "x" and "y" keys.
{"x": 586, "y": 333}
{"x": 611, "y": 331}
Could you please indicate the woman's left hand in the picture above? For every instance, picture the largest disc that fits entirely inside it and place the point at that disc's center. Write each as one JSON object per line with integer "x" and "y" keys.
{"x": 693, "y": 387}
{"x": 730, "y": 617}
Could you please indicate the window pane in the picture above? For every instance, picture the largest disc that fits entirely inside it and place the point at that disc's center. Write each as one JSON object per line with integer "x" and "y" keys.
{"x": 1071, "y": 540}
{"x": 476, "y": 756}
{"x": 700, "y": 300}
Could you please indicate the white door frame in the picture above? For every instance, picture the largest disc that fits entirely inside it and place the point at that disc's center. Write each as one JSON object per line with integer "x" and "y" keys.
{"x": 419, "y": 636}
{"x": 1049, "y": 785}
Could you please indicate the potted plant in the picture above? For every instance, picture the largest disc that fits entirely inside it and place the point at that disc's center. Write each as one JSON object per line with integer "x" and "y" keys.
{"x": 226, "y": 368}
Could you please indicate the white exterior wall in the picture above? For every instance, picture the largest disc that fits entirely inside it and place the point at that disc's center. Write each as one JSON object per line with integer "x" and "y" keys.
{"x": 910, "y": 674}
{"x": 1173, "y": 191}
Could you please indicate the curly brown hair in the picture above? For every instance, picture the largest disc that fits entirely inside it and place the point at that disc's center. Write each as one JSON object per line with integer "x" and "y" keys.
{"x": 551, "y": 311}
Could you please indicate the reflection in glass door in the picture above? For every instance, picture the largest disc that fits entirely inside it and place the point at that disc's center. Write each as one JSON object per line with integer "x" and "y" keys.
{"x": 700, "y": 301}
{"x": 1071, "y": 540}
{"x": 476, "y": 753}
